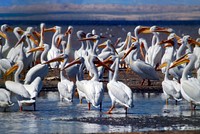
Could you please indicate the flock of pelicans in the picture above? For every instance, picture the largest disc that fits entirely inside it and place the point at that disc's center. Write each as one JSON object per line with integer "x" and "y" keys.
{"x": 177, "y": 57}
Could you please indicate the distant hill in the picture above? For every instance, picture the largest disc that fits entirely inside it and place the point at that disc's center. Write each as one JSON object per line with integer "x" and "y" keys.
{"x": 100, "y": 12}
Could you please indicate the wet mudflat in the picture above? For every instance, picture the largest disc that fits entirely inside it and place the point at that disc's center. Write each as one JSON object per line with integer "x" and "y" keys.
{"x": 150, "y": 113}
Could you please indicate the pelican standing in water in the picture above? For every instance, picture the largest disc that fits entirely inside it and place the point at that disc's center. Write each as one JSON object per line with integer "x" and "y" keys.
{"x": 66, "y": 88}
{"x": 171, "y": 88}
{"x": 26, "y": 92}
{"x": 190, "y": 87}
{"x": 118, "y": 91}
{"x": 92, "y": 89}
{"x": 142, "y": 69}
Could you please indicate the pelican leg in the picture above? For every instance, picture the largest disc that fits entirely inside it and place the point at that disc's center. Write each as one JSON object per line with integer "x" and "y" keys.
{"x": 20, "y": 108}
{"x": 61, "y": 98}
{"x": 72, "y": 99}
{"x": 81, "y": 101}
{"x": 100, "y": 106}
{"x": 126, "y": 110}
{"x": 156, "y": 67}
{"x": 192, "y": 106}
{"x": 176, "y": 102}
{"x": 142, "y": 82}
{"x": 89, "y": 106}
{"x": 34, "y": 106}
{"x": 110, "y": 110}
{"x": 149, "y": 82}
{"x": 166, "y": 101}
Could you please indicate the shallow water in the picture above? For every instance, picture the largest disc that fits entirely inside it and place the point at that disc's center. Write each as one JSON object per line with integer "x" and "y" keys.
{"x": 54, "y": 116}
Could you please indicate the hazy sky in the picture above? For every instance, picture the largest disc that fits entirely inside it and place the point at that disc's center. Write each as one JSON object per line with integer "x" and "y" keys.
{"x": 125, "y": 2}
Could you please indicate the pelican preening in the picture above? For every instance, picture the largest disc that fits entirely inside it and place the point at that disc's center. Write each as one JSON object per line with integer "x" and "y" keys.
{"x": 32, "y": 55}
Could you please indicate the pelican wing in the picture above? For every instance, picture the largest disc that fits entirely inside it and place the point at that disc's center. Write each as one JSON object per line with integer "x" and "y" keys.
{"x": 146, "y": 71}
{"x": 66, "y": 88}
{"x": 4, "y": 95}
{"x": 117, "y": 90}
{"x": 5, "y": 64}
{"x": 156, "y": 55}
{"x": 94, "y": 92}
{"x": 40, "y": 70}
{"x": 17, "y": 88}
{"x": 168, "y": 87}
{"x": 35, "y": 87}
{"x": 62, "y": 88}
{"x": 192, "y": 89}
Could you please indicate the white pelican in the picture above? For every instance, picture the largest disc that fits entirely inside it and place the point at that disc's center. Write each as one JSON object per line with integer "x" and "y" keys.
{"x": 170, "y": 50}
{"x": 105, "y": 53}
{"x": 66, "y": 88}
{"x": 34, "y": 42}
{"x": 118, "y": 91}
{"x": 196, "y": 51}
{"x": 171, "y": 88}
{"x": 172, "y": 53}
{"x": 71, "y": 71}
{"x": 27, "y": 58}
{"x": 4, "y": 62}
{"x": 14, "y": 51}
{"x": 186, "y": 46}
{"x": 92, "y": 52}
{"x": 92, "y": 90}
{"x": 54, "y": 51}
{"x": 78, "y": 53}
{"x": 27, "y": 92}
{"x": 5, "y": 99}
{"x": 142, "y": 69}
{"x": 190, "y": 87}
{"x": 126, "y": 48}
{"x": 8, "y": 44}
{"x": 142, "y": 29}
{"x": 155, "y": 51}
{"x": 40, "y": 70}
{"x": 37, "y": 54}
{"x": 68, "y": 33}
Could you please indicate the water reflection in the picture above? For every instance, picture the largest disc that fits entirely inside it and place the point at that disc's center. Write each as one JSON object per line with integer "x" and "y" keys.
{"x": 54, "y": 115}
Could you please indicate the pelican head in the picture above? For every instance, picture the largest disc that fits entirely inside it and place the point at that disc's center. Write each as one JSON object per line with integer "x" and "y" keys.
{"x": 181, "y": 60}
{"x": 11, "y": 69}
{"x": 142, "y": 29}
{"x": 161, "y": 29}
{"x": 6, "y": 28}
{"x": 187, "y": 39}
{"x": 80, "y": 34}
{"x": 59, "y": 58}
{"x": 39, "y": 48}
{"x": 53, "y": 29}
{"x": 25, "y": 35}
{"x": 133, "y": 46}
{"x": 18, "y": 30}
{"x": 76, "y": 61}
{"x": 69, "y": 30}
